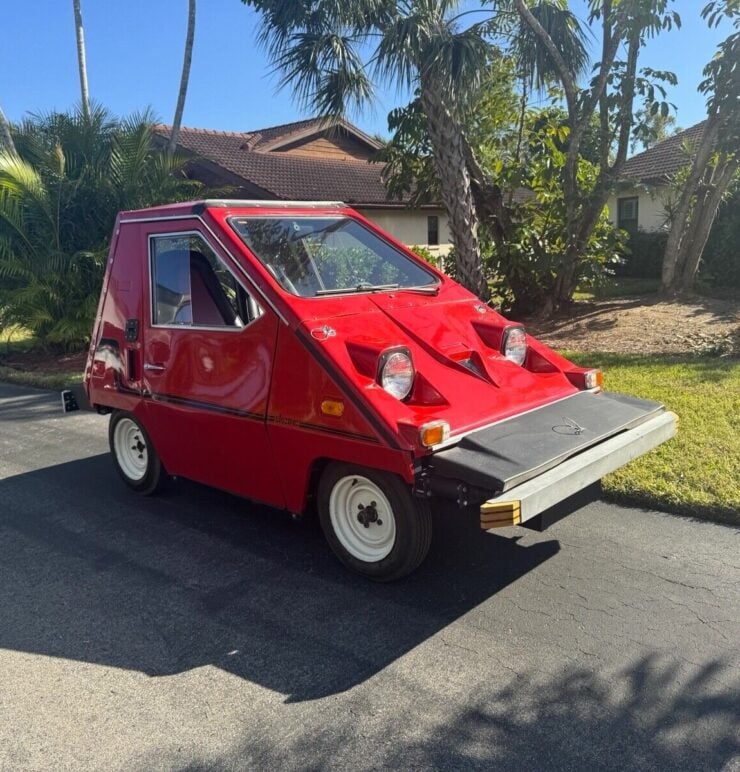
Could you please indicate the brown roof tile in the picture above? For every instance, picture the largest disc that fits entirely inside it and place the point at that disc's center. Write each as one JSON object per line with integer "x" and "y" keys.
{"x": 285, "y": 176}
{"x": 663, "y": 159}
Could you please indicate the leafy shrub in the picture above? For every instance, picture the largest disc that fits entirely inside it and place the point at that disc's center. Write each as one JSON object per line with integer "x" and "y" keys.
{"x": 720, "y": 265}
{"x": 642, "y": 255}
{"x": 442, "y": 262}
{"x": 58, "y": 202}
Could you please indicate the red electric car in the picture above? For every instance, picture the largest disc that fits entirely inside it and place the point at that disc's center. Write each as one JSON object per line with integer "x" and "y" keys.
{"x": 290, "y": 352}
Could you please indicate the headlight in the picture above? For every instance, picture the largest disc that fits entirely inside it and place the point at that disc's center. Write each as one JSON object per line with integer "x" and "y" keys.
{"x": 397, "y": 373}
{"x": 515, "y": 345}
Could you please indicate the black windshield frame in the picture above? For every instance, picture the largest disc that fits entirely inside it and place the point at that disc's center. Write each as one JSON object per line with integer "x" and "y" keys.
{"x": 400, "y": 261}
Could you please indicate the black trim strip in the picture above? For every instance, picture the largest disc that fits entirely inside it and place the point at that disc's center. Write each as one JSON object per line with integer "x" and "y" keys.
{"x": 210, "y": 406}
{"x": 277, "y": 420}
{"x": 340, "y": 380}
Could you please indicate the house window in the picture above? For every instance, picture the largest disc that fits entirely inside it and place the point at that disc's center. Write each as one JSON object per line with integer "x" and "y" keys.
{"x": 433, "y": 230}
{"x": 627, "y": 214}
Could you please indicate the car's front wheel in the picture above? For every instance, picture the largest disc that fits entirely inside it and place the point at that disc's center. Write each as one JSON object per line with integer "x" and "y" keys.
{"x": 133, "y": 453}
{"x": 372, "y": 522}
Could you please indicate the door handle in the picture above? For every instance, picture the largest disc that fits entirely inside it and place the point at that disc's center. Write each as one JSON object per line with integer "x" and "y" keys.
{"x": 153, "y": 368}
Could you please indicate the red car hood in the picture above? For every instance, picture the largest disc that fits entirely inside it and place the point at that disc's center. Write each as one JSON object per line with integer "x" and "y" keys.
{"x": 461, "y": 375}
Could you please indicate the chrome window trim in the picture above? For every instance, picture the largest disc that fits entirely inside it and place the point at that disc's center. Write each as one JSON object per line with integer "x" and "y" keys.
{"x": 174, "y": 234}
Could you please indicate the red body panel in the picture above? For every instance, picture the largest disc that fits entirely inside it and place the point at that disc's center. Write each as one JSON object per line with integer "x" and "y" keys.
{"x": 241, "y": 409}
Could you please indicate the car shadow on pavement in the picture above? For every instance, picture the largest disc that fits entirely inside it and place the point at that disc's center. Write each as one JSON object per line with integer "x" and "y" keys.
{"x": 90, "y": 571}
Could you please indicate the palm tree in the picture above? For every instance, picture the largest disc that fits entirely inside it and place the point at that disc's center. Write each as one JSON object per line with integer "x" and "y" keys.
{"x": 417, "y": 44}
{"x": 81, "y": 61}
{"x": 535, "y": 66}
{"x": 420, "y": 45}
{"x": 6, "y": 138}
{"x": 184, "y": 79}
{"x": 59, "y": 196}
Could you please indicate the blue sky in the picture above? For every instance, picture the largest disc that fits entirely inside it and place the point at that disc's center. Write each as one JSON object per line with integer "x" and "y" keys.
{"x": 134, "y": 51}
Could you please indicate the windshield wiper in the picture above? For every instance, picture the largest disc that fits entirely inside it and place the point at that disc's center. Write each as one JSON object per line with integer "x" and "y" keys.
{"x": 423, "y": 290}
{"x": 358, "y": 288}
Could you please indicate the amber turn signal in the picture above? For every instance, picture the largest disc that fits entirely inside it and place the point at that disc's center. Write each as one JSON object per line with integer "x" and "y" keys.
{"x": 593, "y": 379}
{"x": 333, "y": 407}
{"x": 433, "y": 433}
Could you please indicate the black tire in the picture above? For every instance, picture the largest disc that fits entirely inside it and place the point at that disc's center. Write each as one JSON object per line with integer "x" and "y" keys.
{"x": 412, "y": 518}
{"x": 154, "y": 475}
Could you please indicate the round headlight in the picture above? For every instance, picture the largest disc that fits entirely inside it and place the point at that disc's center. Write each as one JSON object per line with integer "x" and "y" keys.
{"x": 515, "y": 345}
{"x": 397, "y": 374}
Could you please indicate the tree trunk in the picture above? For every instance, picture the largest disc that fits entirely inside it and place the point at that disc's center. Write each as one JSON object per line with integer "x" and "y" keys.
{"x": 6, "y": 138}
{"x": 81, "y": 61}
{"x": 703, "y": 216}
{"x": 448, "y": 145}
{"x": 184, "y": 79}
{"x": 683, "y": 208}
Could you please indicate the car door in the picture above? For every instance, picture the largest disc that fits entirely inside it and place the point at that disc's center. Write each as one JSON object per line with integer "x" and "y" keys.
{"x": 208, "y": 351}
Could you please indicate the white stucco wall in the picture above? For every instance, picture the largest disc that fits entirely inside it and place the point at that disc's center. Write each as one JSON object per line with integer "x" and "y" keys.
{"x": 409, "y": 226}
{"x": 650, "y": 206}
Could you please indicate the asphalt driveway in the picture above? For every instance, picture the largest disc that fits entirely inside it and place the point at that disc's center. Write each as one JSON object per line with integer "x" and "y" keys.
{"x": 199, "y": 631}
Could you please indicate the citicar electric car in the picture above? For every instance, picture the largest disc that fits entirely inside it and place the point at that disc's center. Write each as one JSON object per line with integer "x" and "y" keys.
{"x": 297, "y": 355}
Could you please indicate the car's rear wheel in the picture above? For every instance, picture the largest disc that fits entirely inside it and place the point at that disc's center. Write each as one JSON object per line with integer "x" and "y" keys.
{"x": 133, "y": 453}
{"x": 372, "y": 522}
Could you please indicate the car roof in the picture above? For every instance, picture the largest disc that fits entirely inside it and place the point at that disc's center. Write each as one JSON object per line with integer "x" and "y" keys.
{"x": 198, "y": 207}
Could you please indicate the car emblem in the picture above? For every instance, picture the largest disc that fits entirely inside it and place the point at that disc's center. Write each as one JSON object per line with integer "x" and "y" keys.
{"x": 568, "y": 427}
{"x": 323, "y": 333}
{"x": 480, "y": 309}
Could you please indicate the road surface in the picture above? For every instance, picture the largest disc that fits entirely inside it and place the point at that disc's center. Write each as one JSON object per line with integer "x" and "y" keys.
{"x": 199, "y": 631}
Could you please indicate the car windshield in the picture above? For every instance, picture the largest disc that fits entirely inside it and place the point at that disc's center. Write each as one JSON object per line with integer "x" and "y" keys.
{"x": 315, "y": 256}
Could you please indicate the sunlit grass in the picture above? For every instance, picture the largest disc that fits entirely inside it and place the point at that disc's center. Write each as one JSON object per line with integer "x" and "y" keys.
{"x": 15, "y": 339}
{"x": 39, "y": 380}
{"x": 618, "y": 287}
{"x": 697, "y": 472}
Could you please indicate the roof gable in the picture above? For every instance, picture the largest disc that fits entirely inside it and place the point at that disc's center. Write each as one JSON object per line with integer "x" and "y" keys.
{"x": 296, "y": 135}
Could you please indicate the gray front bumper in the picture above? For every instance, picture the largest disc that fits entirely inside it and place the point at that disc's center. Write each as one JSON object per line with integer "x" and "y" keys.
{"x": 528, "y": 499}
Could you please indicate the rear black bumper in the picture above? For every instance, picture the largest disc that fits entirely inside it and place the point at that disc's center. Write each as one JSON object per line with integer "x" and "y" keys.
{"x": 499, "y": 457}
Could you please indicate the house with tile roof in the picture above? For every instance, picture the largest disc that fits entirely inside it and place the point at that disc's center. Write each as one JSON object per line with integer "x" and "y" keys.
{"x": 309, "y": 160}
{"x": 644, "y": 191}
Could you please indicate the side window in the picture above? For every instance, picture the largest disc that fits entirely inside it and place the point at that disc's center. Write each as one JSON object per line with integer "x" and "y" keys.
{"x": 193, "y": 288}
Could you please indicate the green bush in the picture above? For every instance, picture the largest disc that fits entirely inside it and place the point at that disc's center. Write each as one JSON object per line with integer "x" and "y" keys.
{"x": 59, "y": 197}
{"x": 720, "y": 265}
{"x": 642, "y": 255}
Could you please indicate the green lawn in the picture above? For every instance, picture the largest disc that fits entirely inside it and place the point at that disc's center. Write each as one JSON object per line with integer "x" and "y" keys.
{"x": 39, "y": 380}
{"x": 697, "y": 472}
{"x": 618, "y": 287}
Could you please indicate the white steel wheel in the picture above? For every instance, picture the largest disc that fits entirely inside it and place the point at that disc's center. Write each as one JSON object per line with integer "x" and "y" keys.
{"x": 133, "y": 453}
{"x": 362, "y": 518}
{"x": 130, "y": 448}
{"x": 372, "y": 522}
